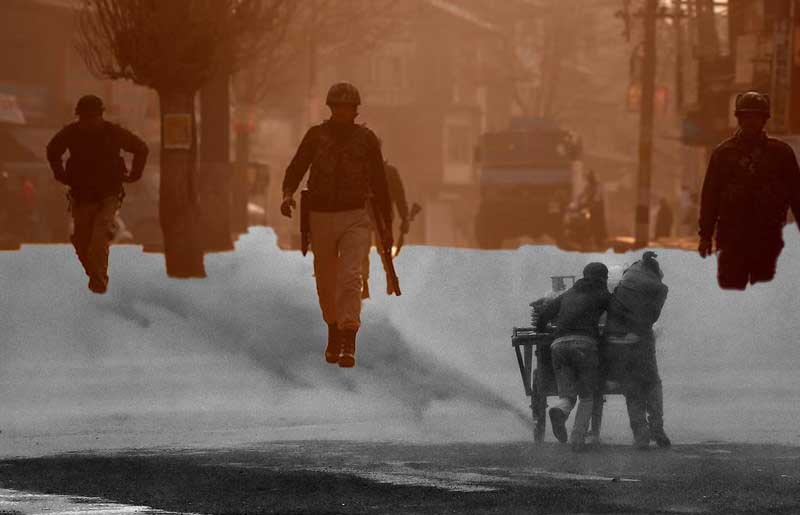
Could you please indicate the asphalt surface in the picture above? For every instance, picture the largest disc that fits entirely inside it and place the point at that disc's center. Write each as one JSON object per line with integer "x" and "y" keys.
{"x": 342, "y": 477}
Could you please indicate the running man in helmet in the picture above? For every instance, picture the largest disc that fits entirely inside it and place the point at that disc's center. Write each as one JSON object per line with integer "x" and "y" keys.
{"x": 346, "y": 167}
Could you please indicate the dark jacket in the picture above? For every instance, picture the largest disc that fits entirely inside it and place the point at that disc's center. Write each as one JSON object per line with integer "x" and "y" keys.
{"x": 346, "y": 167}
{"x": 95, "y": 169}
{"x": 577, "y": 310}
{"x": 748, "y": 190}
{"x": 637, "y": 301}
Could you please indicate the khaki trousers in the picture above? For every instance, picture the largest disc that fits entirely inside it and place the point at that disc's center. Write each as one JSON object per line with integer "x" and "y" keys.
{"x": 340, "y": 242}
{"x": 94, "y": 229}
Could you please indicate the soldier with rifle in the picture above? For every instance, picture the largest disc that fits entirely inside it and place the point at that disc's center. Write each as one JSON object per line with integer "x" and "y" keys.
{"x": 397, "y": 194}
{"x": 347, "y": 185}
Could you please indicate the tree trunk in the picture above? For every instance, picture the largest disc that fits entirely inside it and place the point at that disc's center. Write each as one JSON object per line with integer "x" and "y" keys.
{"x": 178, "y": 209}
{"x": 239, "y": 184}
{"x": 215, "y": 170}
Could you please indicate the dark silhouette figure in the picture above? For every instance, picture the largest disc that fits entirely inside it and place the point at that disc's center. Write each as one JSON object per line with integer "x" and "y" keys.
{"x": 592, "y": 199}
{"x": 575, "y": 355}
{"x": 630, "y": 350}
{"x": 346, "y": 168}
{"x": 95, "y": 172}
{"x": 397, "y": 194}
{"x": 664, "y": 219}
{"x": 751, "y": 182}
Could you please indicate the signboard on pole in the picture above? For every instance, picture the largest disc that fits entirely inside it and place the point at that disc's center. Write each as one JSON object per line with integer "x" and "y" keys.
{"x": 177, "y": 131}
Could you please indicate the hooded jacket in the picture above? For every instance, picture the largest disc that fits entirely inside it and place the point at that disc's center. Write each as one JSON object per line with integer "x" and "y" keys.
{"x": 637, "y": 300}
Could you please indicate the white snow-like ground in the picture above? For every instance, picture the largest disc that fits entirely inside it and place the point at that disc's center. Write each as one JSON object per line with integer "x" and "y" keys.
{"x": 238, "y": 357}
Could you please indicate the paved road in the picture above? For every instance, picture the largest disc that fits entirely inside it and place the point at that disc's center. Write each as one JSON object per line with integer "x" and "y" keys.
{"x": 341, "y": 477}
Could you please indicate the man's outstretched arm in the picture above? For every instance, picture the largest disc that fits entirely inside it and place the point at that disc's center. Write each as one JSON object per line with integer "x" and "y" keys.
{"x": 135, "y": 145}
{"x": 55, "y": 153}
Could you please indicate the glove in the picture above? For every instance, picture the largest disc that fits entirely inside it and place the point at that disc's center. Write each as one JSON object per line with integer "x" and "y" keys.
{"x": 706, "y": 248}
{"x": 287, "y": 205}
{"x": 404, "y": 226}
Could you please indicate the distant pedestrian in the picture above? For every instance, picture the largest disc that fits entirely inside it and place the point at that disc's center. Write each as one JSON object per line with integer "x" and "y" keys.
{"x": 664, "y": 219}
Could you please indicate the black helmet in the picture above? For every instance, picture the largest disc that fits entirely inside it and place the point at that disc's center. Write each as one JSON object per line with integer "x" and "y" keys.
{"x": 343, "y": 93}
{"x": 752, "y": 102}
{"x": 595, "y": 271}
{"x": 89, "y": 104}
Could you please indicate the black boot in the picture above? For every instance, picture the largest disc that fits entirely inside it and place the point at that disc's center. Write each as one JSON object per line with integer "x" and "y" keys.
{"x": 347, "y": 358}
{"x": 334, "y": 344}
{"x": 641, "y": 437}
{"x": 558, "y": 420}
{"x": 660, "y": 438}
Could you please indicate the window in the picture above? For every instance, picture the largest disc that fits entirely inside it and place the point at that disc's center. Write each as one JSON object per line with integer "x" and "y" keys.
{"x": 459, "y": 144}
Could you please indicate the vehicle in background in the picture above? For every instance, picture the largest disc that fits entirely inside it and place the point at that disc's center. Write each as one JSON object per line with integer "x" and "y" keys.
{"x": 526, "y": 181}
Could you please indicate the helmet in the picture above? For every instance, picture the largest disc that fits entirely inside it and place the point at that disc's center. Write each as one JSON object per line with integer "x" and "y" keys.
{"x": 343, "y": 93}
{"x": 595, "y": 271}
{"x": 752, "y": 102}
{"x": 89, "y": 104}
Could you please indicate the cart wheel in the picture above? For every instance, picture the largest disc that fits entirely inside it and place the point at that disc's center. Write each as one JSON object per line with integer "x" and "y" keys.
{"x": 538, "y": 409}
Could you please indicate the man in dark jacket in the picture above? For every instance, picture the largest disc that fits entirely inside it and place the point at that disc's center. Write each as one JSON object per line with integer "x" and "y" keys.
{"x": 751, "y": 182}
{"x": 630, "y": 350}
{"x": 574, "y": 351}
{"x": 95, "y": 173}
{"x": 346, "y": 168}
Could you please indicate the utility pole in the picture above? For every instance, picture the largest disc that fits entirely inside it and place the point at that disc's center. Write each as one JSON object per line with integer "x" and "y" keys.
{"x": 647, "y": 115}
{"x": 215, "y": 164}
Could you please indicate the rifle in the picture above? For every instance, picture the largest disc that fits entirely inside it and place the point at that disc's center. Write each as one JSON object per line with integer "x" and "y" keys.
{"x": 383, "y": 229}
{"x": 415, "y": 209}
{"x": 305, "y": 223}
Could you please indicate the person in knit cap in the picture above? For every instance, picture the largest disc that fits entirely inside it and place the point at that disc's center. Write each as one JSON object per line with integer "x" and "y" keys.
{"x": 630, "y": 352}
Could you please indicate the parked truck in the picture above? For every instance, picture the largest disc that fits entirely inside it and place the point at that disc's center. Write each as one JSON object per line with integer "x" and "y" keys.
{"x": 526, "y": 181}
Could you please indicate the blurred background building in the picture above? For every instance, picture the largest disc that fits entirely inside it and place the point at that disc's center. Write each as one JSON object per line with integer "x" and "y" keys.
{"x": 434, "y": 75}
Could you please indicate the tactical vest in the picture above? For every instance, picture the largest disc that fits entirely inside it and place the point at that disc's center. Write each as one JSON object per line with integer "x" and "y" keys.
{"x": 341, "y": 168}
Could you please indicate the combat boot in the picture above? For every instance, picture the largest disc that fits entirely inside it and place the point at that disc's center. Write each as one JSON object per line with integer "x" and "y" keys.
{"x": 660, "y": 438}
{"x": 334, "y": 344}
{"x": 347, "y": 357}
{"x": 558, "y": 419}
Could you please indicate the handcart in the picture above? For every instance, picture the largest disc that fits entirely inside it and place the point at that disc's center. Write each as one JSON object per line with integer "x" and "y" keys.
{"x": 540, "y": 382}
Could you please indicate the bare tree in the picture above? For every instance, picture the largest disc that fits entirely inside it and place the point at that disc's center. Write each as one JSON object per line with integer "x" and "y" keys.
{"x": 175, "y": 47}
{"x": 316, "y": 27}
